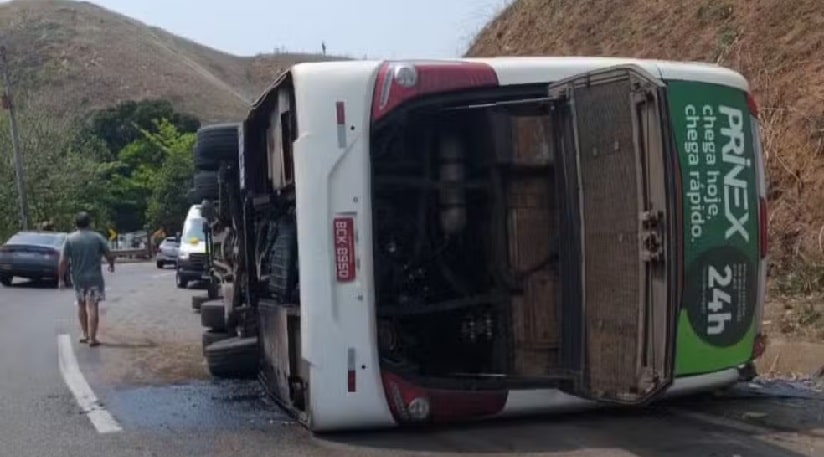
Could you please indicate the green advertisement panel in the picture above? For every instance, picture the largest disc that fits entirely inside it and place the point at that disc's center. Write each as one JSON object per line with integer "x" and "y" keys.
{"x": 711, "y": 125}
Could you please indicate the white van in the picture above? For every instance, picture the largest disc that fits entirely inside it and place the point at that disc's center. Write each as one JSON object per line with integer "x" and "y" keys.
{"x": 192, "y": 258}
{"x": 430, "y": 241}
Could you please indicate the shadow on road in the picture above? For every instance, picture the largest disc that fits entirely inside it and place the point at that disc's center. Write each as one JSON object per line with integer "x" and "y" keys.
{"x": 31, "y": 284}
{"x": 645, "y": 433}
{"x": 120, "y": 345}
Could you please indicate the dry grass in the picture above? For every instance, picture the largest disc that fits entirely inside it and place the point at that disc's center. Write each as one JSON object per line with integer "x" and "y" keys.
{"x": 75, "y": 54}
{"x": 794, "y": 325}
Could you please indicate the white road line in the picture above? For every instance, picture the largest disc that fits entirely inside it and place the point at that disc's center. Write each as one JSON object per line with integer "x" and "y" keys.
{"x": 88, "y": 402}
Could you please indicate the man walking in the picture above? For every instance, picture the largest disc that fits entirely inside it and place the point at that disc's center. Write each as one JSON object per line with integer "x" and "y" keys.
{"x": 84, "y": 250}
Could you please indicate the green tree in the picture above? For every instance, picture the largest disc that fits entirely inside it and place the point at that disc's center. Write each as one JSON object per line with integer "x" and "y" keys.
{"x": 134, "y": 133}
{"x": 124, "y": 124}
{"x": 168, "y": 203}
{"x": 134, "y": 175}
{"x": 122, "y": 167}
{"x": 62, "y": 176}
{"x": 125, "y": 198}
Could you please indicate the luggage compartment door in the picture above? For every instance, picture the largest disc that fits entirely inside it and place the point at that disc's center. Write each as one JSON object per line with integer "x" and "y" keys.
{"x": 612, "y": 147}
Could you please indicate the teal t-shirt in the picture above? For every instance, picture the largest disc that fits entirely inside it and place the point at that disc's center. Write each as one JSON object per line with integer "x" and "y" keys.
{"x": 84, "y": 250}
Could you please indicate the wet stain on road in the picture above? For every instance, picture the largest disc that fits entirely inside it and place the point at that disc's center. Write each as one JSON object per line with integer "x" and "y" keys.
{"x": 208, "y": 405}
{"x": 780, "y": 405}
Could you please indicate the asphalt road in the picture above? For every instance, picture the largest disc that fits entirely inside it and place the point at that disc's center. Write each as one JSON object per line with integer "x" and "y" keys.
{"x": 148, "y": 374}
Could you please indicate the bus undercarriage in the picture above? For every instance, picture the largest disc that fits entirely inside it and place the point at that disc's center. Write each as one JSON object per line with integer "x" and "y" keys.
{"x": 466, "y": 244}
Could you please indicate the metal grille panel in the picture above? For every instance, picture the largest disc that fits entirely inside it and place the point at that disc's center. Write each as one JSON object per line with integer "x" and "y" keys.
{"x": 198, "y": 261}
{"x": 610, "y": 208}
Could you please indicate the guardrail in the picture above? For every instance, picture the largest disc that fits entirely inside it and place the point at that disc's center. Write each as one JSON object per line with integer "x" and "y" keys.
{"x": 139, "y": 253}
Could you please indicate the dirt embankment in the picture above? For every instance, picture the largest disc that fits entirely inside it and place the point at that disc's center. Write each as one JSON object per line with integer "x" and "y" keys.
{"x": 779, "y": 47}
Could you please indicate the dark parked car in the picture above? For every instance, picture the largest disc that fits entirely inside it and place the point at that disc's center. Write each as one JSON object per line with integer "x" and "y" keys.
{"x": 32, "y": 255}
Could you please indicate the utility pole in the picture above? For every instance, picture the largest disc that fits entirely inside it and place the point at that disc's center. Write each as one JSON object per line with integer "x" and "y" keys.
{"x": 8, "y": 104}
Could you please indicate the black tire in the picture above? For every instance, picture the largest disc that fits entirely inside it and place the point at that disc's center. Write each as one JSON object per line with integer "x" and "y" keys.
{"x": 6, "y": 281}
{"x": 182, "y": 283}
{"x": 212, "y": 291}
{"x": 212, "y": 315}
{"x": 233, "y": 358}
{"x": 160, "y": 265}
{"x": 206, "y": 186}
{"x": 198, "y": 301}
{"x": 215, "y": 144}
{"x": 210, "y": 337}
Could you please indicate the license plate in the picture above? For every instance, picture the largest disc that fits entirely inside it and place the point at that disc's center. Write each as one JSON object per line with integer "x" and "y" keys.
{"x": 5, "y": 267}
{"x": 25, "y": 255}
{"x": 344, "y": 236}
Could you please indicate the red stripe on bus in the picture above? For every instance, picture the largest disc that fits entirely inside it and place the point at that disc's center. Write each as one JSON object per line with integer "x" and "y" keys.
{"x": 341, "y": 114}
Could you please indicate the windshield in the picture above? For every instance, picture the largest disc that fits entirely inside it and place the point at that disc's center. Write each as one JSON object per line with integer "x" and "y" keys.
{"x": 39, "y": 239}
{"x": 193, "y": 229}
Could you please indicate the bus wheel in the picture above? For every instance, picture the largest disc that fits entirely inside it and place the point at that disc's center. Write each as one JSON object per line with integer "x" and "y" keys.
{"x": 215, "y": 144}
{"x": 198, "y": 301}
{"x": 210, "y": 337}
{"x": 213, "y": 291}
{"x": 206, "y": 185}
{"x": 233, "y": 358}
{"x": 212, "y": 316}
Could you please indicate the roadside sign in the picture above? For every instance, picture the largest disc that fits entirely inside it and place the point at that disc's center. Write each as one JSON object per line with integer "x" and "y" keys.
{"x": 112, "y": 235}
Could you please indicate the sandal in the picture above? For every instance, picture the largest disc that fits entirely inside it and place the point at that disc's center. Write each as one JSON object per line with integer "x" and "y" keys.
{"x": 94, "y": 343}
{"x": 83, "y": 340}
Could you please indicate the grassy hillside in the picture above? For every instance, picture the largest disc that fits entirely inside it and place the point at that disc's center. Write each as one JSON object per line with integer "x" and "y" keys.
{"x": 73, "y": 56}
{"x": 777, "y": 44}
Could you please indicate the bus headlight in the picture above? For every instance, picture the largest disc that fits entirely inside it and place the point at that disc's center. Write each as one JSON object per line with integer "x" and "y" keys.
{"x": 419, "y": 408}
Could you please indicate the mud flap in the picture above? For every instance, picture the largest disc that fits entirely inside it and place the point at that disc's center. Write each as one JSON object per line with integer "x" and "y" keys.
{"x": 611, "y": 145}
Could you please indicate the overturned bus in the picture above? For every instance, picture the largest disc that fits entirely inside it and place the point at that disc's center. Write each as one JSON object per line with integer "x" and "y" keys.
{"x": 430, "y": 241}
